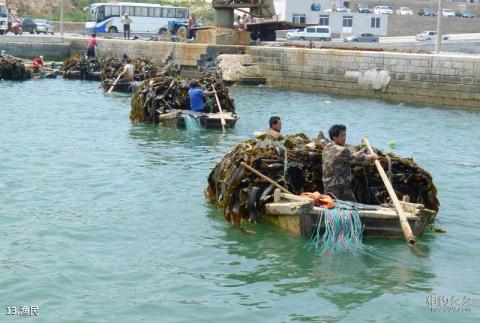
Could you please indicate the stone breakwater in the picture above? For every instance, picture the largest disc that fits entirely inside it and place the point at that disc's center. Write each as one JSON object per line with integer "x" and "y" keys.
{"x": 445, "y": 79}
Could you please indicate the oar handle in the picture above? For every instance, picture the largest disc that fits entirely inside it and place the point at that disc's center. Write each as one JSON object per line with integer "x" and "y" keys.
{"x": 407, "y": 231}
{"x": 222, "y": 119}
{"x": 268, "y": 179}
{"x": 114, "y": 83}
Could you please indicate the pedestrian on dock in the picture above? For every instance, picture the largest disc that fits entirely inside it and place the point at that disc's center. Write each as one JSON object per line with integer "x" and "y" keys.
{"x": 197, "y": 96}
{"x": 91, "y": 44}
{"x": 337, "y": 162}
{"x": 126, "y": 21}
{"x": 273, "y": 133}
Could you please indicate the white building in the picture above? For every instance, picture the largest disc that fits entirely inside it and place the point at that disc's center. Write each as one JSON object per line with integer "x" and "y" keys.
{"x": 313, "y": 12}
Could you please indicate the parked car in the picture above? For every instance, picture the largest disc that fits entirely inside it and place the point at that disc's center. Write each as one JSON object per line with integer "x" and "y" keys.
{"x": 44, "y": 26}
{"x": 15, "y": 26}
{"x": 342, "y": 9}
{"x": 448, "y": 12}
{"x": 383, "y": 10}
{"x": 464, "y": 14}
{"x": 362, "y": 38}
{"x": 404, "y": 11}
{"x": 315, "y": 33}
{"x": 362, "y": 8}
{"x": 427, "y": 12}
{"x": 429, "y": 35}
{"x": 29, "y": 26}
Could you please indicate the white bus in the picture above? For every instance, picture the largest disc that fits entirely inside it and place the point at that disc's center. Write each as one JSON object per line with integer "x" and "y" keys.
{"x": 3, "y": 19}
{"x": 146, "y": 17}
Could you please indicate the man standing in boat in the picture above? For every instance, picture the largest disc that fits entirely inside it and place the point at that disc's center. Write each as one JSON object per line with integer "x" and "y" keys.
{"x": 337, "y": 162}
{"x": 197, "y": 96}
{"x": 275, "y": 127}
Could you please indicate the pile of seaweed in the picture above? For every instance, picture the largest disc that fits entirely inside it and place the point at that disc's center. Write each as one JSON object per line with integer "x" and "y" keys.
{"x": 296, "y": 163}
{"x": 159, "y": 94}
{"x": 13, "y": 69}
{"x": 80, "y": 67}
{"x": 144, "y": 69}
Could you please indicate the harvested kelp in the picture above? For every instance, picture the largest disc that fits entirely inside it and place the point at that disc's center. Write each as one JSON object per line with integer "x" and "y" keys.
{"x": 13, "y": 69}
{"x": 157, "y": 95}
{"x": 144, "y": 69}
{"x": 296, "y": 163}
{"x": 81, "y": 68}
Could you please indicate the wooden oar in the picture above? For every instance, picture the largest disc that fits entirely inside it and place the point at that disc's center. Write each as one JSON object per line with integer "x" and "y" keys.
{"x": 407, "y": 231}
{"x": 268, "y": 179}
{"x": 114, "y": 83}
{"x": 219, "y": 109}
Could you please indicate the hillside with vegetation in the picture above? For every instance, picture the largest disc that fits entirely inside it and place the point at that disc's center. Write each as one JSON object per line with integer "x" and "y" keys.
{"x": 74, "y": 9}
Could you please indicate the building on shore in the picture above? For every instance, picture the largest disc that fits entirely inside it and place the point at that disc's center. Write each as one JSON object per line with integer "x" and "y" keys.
{"x": 319, "y": 12}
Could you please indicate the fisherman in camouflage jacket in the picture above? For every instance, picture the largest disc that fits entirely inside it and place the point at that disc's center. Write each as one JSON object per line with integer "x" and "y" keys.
{"x": 336, "y": 164}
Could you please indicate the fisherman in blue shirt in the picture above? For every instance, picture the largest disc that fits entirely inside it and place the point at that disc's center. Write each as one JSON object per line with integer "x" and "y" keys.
{"x": 196, "y": 96}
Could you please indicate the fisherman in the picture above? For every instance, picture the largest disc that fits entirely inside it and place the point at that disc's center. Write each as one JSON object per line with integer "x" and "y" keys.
{"x": 128, "y": 71}
{"x": 126, "y": 21}
{"x": 336, "y": 164}
{"x": 37, "y": 64}
{"x": 91, "y": 44}
{"x": 275, "y": 127}
{"x": 197, "y": 96}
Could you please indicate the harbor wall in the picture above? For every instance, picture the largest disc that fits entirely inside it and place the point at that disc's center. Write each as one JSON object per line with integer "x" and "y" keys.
{"x": 403, "y": 77}
{"x": 25, "y": 46}
{"x": 444, "y": 79}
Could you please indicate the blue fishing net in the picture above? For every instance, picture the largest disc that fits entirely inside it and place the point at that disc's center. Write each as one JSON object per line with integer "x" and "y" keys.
{"x": 339, "y": 229}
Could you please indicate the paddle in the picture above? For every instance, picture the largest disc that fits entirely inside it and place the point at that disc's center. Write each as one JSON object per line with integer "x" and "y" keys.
{"x": 268, "y": 179}
{"x": 114, "y": 83}
{"x": 219, "y": 109}
{"x": 407, "y": 231}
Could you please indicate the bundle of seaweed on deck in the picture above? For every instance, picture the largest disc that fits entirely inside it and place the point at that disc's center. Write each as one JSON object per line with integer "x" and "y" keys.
{"x": 13, "y": 69}
{"x": 296, "y": 163}
{"x": 144, "y": 69}
{"x": 157, "y": 95}
{"x": 80, "y": 67}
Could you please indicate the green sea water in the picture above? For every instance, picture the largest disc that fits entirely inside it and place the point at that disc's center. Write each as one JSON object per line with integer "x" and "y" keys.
{"x": 105, "y": 221}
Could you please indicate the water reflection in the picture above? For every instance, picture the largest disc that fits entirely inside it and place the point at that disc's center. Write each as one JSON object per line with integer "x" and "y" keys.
{"x": 346, "y": 280}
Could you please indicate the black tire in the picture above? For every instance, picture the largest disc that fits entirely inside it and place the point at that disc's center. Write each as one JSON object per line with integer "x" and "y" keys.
{"x": 112, "y": 30}
{"x": 302, "y": 38}
{"x": 162, "y": 31}
{"x": 355, "y": 40}
{"x": 182, "y": 33}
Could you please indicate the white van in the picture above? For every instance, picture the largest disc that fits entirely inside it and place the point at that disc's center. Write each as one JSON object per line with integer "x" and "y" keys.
{"x": 315, "y": 33}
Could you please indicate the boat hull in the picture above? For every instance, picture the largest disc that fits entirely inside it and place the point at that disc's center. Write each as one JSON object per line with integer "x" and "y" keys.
{"x": 302, "y": 219}
{"x": 177, "y": 118}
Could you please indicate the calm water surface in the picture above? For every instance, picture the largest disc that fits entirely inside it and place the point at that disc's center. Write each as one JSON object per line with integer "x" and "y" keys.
{"x": 102, "y": 220}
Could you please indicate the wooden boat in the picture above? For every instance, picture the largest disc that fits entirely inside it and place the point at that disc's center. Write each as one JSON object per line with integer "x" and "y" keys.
{"x": 179, "y": 118}
{"x": 299, "y": 216}
{"x": 78, "y": 75}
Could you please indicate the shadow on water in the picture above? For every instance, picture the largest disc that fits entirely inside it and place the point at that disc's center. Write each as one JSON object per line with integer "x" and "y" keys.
{"x": 346, "y": 280}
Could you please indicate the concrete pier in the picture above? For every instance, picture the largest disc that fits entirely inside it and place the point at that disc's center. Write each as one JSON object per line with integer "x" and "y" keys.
{"x": 445, "y": 79}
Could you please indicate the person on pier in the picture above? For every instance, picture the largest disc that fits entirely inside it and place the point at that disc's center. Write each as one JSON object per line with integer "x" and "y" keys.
{"x": 337, "y": 161}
